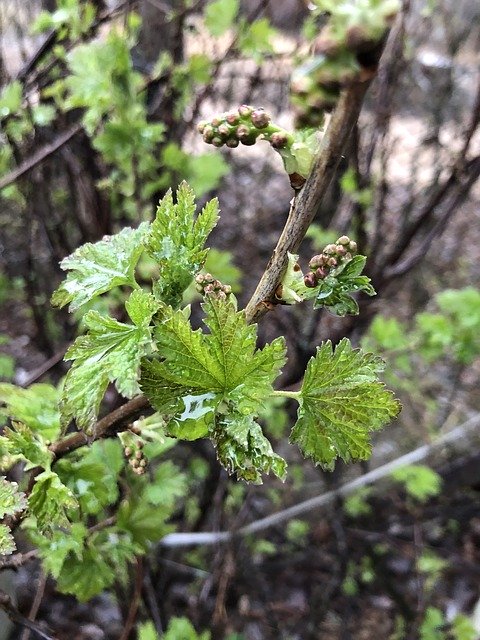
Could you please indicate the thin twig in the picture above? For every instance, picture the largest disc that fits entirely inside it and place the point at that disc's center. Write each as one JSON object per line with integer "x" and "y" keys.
{"x": 107, "y": 426}
{"x": 16, "y": 617}
{"x": 40, "y": 156}
{"x": 132, "y": 612}
{"x": 37, "y": 601}
{"x": 417, "y": 455}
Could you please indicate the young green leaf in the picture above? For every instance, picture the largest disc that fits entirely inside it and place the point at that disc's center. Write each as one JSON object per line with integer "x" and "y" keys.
{"x": 36, "y": 407}
{"x": 7, "y": 543}
{"x": 202, "y": 377}
{"x": 11, "y": 499}
{"x": 21, "y": 443}
{"x": 341, "y": 402}
{"x": 420, "y": 481}
{"x": 176, "y": 242}
{"x": 55, "y": 548}
{"x": 220, "y": 16}
{"x": 49, "y": 502}
{"x": 183, "y": 628}
{"x": 103, "y": 561}
{"x": 97, "y": 268}
{"x": 243, "y": 449}
{"x": 110, "y": 352}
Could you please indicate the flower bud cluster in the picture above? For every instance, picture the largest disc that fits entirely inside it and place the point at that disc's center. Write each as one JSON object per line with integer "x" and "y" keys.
{"x": 207, "y": 285}
{"x": 133, "y": 452}
{"x": 332, "y": 256}
{"x": 346, "y": 49}
{"x": 245, "y": 126}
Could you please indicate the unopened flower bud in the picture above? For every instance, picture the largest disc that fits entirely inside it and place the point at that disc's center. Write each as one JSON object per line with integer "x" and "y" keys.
{"x": 208, "y": 277}
{"x": 317, "y": 261}
{"x": 321, "y": 273}
{"x": 232, "y": 143}
{"x": 330, "y": 249}
{"x": 208, "y": 133}
{"x": 209, "y": 289}
{"x": 245, "y": 110}
{"x": 228, "y": 289}
{"x": 224, "y": 130}
{"x": 347, "y": 257}
{"x": 278, "y": 140}
{"x": 260, "y": 118}
{"x": 201, "y": 126}
{"x": 232, "y": 118}
{"x": 127, "y": 451}
{"x": 217, "y": 142}
{"x": 140, "y": 444}
{"x": 343, "y": 240}
{"x": 143, "y": 462}
{"x": 352, "y": 246}
{"x": 310, "y": 280}
{"x": 243, "y": 132}
{"x": 341, "y": 250}
{"x": 138, "y": 455}
{"x": 216, "y": 122}
{"x": 332, "y": 262}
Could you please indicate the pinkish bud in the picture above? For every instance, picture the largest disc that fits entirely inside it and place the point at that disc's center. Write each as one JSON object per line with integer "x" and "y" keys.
{"x": 224, "y": 130}
{"x": 243, "y": 131}
{"x": 208, "y": 134}
{"x": 232, "y": 118}
{"x": 278, "y": 140}
{"x": 310, "y": 280}
{"x": 260, "y": 118}
{"x": 321, "y": 273}
{"x": 341, "y": 250}
{"x": 201, "y": 126}
{"x": 330, "y": 249}
{"x": 317, "y": 261}
{"x": 245, "y": 110}
{"x": 216, "y": 122}
{"x": 332, "y": 262}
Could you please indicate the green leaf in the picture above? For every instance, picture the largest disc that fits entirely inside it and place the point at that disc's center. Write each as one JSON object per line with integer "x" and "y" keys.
{"x": 11, "y": 99}
{"x": 242, "y": 448}
{"x": 49, "y": 502}
{"x": 341, "y": 402}
{"x": 110, "y": 352}
{"x": 167, "y": 487}
{"x": 97, "y": 268}
{"x": 202, "y": 377}
{"x": 55, "y": 548}
{"x": 220, "y": 16}
{"x": 143, "y": 523}
{"x": 334, "y": 292}
{"x": 420, "y": 481}
{"x": 21, "y": 443}
{"x": 182, "y": 629}
{"x": 36, "y": 407}
{"x": 432, "y": 625}
{"x": 11, "y": 499}
{"x": 256, "y": 39}
{"x": 146, "y": 631}
{"x": 104, "y": 561}
{"x": 7, "y": 543}
{"x": 463, "y": 628}
{"x": 176, "y": 241}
